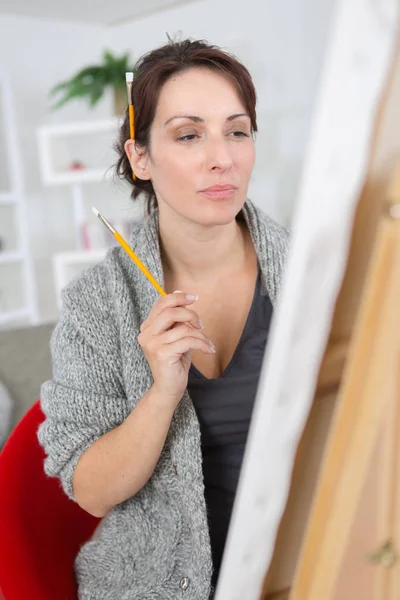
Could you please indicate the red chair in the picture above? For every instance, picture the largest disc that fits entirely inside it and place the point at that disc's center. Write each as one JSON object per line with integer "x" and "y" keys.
{"x": 41, "y": 529}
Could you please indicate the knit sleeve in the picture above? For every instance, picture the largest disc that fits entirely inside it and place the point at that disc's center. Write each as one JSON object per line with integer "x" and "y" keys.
{"x": 85, "y": 399}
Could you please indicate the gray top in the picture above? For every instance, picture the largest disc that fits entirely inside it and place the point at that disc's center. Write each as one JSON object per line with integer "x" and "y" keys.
{"x": 155, "y": 545}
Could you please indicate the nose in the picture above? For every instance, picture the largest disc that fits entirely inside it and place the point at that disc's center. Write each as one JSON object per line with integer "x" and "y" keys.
{"x": 218, "y": 155}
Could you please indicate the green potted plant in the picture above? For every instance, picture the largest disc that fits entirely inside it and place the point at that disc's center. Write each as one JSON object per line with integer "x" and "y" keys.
{"x": 91, "y": 82}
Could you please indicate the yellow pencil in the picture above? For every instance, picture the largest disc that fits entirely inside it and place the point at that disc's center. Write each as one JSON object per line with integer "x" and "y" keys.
{"x": 129, "y": 83}
{"x": 132, "y": 121}
{"x": 130, "y": 252}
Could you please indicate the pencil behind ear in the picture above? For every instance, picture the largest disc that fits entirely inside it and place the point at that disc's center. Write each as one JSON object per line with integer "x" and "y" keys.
{"x": 129, "y": 82}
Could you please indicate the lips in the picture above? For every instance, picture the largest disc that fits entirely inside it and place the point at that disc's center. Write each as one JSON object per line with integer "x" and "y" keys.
{"x": 219, "y": 191}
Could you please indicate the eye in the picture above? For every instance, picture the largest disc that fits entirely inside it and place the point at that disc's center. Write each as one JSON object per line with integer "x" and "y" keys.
{"x": 239, "y": 134}
{"x": 187, "y": 138}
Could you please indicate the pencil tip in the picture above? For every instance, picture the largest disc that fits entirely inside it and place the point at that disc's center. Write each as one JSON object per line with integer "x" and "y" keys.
{"x": 96, "y": 212}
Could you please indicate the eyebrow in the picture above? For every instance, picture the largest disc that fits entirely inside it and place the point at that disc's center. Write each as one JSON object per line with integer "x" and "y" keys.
{"x": 199, "y": 120}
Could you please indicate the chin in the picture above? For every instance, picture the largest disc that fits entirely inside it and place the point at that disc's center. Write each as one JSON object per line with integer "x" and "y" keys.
{"x": 218, "y": 212}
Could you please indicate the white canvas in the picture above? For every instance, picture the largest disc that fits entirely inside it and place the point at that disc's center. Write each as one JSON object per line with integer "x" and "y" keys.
{"x": 356, "y": 69}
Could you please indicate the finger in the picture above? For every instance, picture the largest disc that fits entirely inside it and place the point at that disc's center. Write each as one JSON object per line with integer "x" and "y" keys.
{"x": 177, "y": 324}
{"x": 176, "y": 349}
{"x": 168, "y": 301}
{"x": 170, "y": 316}
{"x": 178, "y": 333}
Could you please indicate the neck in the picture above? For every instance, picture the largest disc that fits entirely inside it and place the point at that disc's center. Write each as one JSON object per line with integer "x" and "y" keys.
{"x": 196, "y": 252}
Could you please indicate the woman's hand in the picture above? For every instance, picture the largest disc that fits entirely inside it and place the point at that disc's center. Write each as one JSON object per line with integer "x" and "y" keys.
{"x": 167, "y": 337}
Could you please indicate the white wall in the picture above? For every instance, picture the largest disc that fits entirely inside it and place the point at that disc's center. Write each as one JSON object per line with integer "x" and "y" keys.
{"x": 281, "y": 41}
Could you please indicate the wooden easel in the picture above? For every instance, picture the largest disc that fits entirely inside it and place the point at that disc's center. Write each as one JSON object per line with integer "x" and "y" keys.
{"x": 316, "y": 515}
{"x": 367, "y": 406}
{"x": 368, "y": 401}
{"x": 351, "y": 546}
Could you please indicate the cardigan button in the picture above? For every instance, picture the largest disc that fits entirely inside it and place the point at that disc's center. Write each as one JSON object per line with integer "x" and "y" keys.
{"x": 184, "y": 582}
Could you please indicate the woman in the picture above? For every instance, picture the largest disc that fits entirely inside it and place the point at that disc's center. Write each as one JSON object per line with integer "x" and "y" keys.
{"x": 150, "y": 403}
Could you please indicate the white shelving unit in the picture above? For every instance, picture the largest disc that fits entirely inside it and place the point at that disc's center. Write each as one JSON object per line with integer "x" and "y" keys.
{"x": 18, "y": 303}
{"x": 67, "y": 265}
{"x": 47, "y": 135}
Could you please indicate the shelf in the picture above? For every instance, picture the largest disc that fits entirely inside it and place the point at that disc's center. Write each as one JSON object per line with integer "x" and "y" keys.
{"x": 7, "y": 198}
{"x": 80, "y": 257}
{"x": 78, "y": 127}
{"x": 48, "y": 135}
{"x": 9, "y": 316}
{"x": 10, "y": 257}
{"x": 17, "y": 276}
{"x": 80, "y": 176}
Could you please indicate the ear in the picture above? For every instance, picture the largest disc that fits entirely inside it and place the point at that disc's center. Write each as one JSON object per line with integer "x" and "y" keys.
{"x": 138, "y": 159}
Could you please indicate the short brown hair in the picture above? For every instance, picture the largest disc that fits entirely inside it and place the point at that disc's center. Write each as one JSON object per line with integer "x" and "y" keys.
{"x": 152, "y": 71}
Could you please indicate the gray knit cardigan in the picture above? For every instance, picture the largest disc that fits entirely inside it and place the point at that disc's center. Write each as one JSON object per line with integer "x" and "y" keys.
{"x": 155, "y": 545}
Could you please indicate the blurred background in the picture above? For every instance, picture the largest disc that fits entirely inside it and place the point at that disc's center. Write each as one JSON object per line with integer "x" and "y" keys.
{"x": 55, "y": 162}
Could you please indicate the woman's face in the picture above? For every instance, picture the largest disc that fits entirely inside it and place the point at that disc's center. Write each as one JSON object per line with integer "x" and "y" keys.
{"x": 201, "y": 148}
